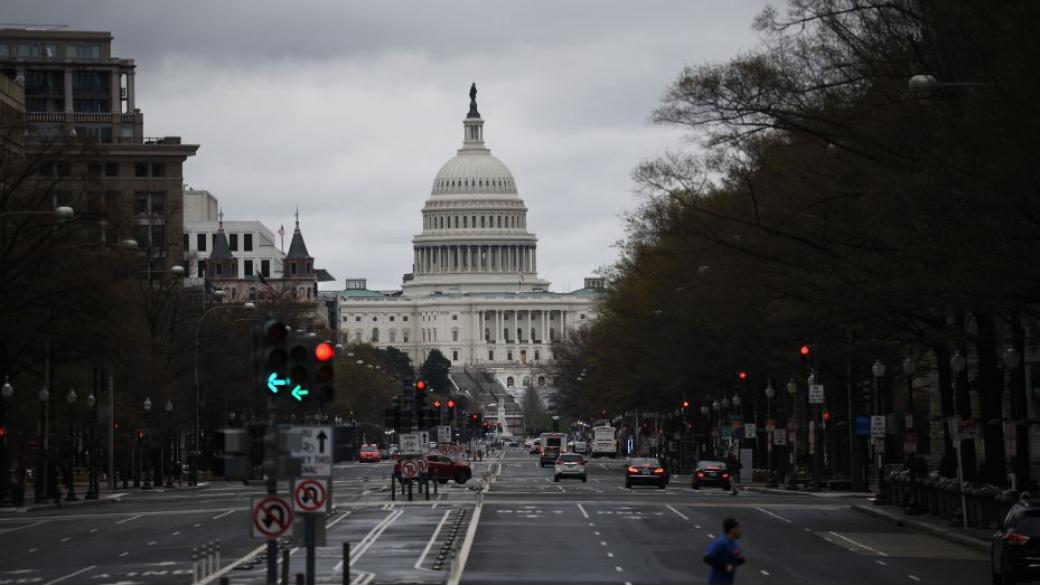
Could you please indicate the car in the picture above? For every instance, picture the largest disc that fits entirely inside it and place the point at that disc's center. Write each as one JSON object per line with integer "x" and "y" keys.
{"x": 643, "y": 470}
{"x": 528, "y": 443}
{"x": 1015, "y": 547}
{"x": 442, "y": 469}
{"x": 553, "y": 445}
{"x": 536, "y": 447}
{"x": 570, "y": 465}
{"x": 710, "y": 473}
{"x": 369, "y": 454}
{"x": 581, "y": 447}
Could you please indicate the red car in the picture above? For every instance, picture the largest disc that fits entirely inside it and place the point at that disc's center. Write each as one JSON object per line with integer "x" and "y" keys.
{"x": 442, "y": 469}
{"x": 369, "y": 454}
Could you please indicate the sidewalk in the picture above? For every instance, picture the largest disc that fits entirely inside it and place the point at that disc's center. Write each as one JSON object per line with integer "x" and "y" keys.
{"x": 976, "y": 538}
{"x": 105, "y": 497}
{"x": 763, "y": 489}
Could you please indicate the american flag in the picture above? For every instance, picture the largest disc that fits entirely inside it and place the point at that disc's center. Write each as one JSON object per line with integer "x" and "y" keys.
{"x": 265, "y": 289}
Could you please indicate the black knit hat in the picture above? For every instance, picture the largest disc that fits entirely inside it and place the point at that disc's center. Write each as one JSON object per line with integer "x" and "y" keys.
{"x": 729, "y": 524}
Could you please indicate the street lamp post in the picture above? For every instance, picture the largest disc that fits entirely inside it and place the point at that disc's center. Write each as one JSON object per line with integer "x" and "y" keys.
{"x": 909, "y": 367}
{"x": 6, "y": 391}
{"x": 881, "y": 494}
{"x": 40, "y": 482}
{"x": 770, "y": 472}
{"x": 146, "y": 454}
{"x": 168, "y": 407}
{"x": 92, "y": 481}
{"x": 193, "y": 475}
{"x": 791, "y": 453}
{"x": 70, "y": 480}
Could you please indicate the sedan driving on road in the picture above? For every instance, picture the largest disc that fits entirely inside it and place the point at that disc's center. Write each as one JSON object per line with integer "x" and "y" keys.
{"x": 570, "y": 466}
{"x": 369, "y": 454}
{"x": 442, "y": 469}
{"x": 711, "y": 473}
{"x": 1015, "y": 549}
{"x": 645, "y": 470}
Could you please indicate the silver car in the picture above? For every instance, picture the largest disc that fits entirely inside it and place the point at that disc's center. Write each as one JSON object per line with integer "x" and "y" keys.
{"x": 570, "y": 465}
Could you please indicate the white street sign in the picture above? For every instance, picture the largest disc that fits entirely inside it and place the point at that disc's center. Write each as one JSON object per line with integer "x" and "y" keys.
{"x": 780, "y": 436}
{"x": 411, "y": 444}
{"x": 443, "y": 434}
{"x": 311, "y": 495}
{"x": 271, "y": 517}
{"x": 750, "y": 430}
{"x": 877, "y": 426}
{"x": 315, "y": 450}
{"x": 816, "y": 394}
{"x": 424, "y": 441}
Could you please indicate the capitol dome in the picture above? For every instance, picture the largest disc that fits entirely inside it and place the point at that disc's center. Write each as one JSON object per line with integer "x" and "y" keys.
{"x": 474, "y": 172}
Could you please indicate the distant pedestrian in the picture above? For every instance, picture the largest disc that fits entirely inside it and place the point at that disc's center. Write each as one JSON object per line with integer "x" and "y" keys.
{"x": 734, "y": 473}
{"x": 724, "y": 555}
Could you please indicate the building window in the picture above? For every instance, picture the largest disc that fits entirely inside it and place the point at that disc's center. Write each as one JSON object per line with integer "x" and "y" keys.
{"x": 405, "y": 318}
{"x": 375, "y": 335}
{"x": 140, "y": 169}
{"x": 233, "y": 242}
{"x": 375, "y": 318}
{"x": 247, "y": 269}
{"x": 111, "y": 169}
{"x": 519, "y": 334}
{"x": 509, "y": 356}
{"x": 404, "y": 336}
{"x": 247, "y": 242}
{"x": 454, "y": 317}
{"x": 533, "y": 337}
{"x": 487, "y": 334}
{"x": 465, "y": 221}
{"x": 292, "y": 268}
{"x": 537, "y": 356}
{"x": 491, "y": 355}
{"x": 391, "y": 317}
{"x": 201, "y": 272}
{"x": 393, "y": 336}
{"x": 527, "y": 381}
{"x": 252, "y": 293}
{"x": 186, "y": 242}
{"x": 200, "y": 242}
{"x": 582, "y": 317}
{"x": 454, "y": 355}
{"x": 454, "y": 334}
{"x": 552, "y": 334}
{"x": 509, "y": 380}
{"x": 505, "y": 334}
{"x": 265, "y": 267}
{"x": 158, "y": 169}
{"x": 358, "y": 318}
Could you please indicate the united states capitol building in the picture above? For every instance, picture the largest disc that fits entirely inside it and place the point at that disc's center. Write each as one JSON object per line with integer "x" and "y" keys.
{"x": 474, "y": 292}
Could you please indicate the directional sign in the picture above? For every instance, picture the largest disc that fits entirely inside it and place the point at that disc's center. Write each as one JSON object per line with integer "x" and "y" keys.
{"x": 274, "y": 383}
{"x": 816, "y": 394}
{"x": 877, "y": 426}
{"x": 315, "y": 451}
{"x": 444, "y": 434}
{"x": 410, "y": 444}
{"x": 271, "y": 518}
{"x": 311, "y": 495}
{"x": 863, "y": 426}
{"x": 779, "y": 437}
{"x": 409, "y": 468}
{"x": 750, "y": 430}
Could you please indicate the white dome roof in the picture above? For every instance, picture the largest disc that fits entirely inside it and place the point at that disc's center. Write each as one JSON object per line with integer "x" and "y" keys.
{"x": 474, "y": 172}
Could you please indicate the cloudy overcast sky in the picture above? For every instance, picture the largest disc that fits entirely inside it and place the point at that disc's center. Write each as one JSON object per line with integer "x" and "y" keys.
{"x": 348, "y": 109}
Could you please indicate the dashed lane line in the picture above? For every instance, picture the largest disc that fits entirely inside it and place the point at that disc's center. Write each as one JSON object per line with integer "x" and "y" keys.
{"x": 583, "y": 512}
{"x": 219, "y": 516}
{"x": 914, "y": 577}
{"x": 71, "y": 575}
{"x": 774, "y": 515}
{"x": 859, "y": 544}
{"x": 125, "y": 520}
{"x": 619, "y": 569}
{"x": 681, "y": 515}
{"x": 881, "y": 562}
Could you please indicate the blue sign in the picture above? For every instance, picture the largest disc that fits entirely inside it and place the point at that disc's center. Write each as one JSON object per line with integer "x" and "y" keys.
{"x": 863, "y": 426}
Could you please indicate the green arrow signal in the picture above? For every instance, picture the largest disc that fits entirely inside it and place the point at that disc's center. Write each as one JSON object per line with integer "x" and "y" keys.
{"x": 273, "y": 382}
{"x": 298, "y": 393}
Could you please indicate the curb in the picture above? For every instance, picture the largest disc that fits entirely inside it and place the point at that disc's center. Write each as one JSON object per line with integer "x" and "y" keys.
{"x": 109, "y": 499}
{"x": 961, "y": 539}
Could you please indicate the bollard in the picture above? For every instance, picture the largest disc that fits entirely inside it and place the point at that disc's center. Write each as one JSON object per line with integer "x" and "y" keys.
{"x": 195, "y": 563}
{"x": 393, "y": 488}
{"x": 346, "y": 563}
{"x": 299, "y": 579}
{"x": 409, "y": 491}
{"x": 435, "y": 482}
{"x": 216, "y": 558}
{"x": 207, "y": 560}
{"x": 285, "y": 566}
{"x": 427, "y": 490}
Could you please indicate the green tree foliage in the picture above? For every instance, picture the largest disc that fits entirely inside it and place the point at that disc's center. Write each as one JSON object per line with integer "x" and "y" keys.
{"x": 435, "y": 371}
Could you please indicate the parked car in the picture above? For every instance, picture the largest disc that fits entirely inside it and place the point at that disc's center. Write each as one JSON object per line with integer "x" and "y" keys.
{"x": 369, "y": 454}
{"x": 570, "y": 465}
{"x": 643, "y": 470}
{"x": 711, "y": 473}
{"x": 1015, "y": 548}
{"x": 442, "y": 469}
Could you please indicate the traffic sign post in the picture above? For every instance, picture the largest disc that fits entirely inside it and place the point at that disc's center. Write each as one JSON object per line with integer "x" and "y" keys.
{"x": 816, "y": 394}
{"x": 271, "y": 517}
{"x": 311, "y": 495}
{"x": 444, "y": 434}
{"x": 410, "y": 444}
{"x": 315, "y": 451}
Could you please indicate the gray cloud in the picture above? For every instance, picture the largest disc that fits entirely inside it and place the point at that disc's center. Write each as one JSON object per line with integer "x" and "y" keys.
{"x": 348, "y": 109}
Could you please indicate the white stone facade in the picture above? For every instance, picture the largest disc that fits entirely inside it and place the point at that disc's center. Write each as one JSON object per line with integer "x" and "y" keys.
{"x": 474, "y": 291}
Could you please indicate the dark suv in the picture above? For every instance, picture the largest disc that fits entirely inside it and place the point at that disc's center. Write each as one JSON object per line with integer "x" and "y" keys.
{"x": 1015, "y": 552}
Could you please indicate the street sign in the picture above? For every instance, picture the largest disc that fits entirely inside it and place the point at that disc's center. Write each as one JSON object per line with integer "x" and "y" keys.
{"x": 409, "y": 469}
{"x": 411, "y": 444}
{"x": 424, "y": 441}
{"x": 271, "y": 517}
{"x": 311, "y": 495}
{"x": 863, "y": 426}
{"x": 877, "y": 426}
{"x": 779, "y": 437}
{"x": 315, "y": 452}
{"x": 424, "y": 466}
{"x": 444, "y": 434}
{"x": 816, "y": 394}
{"x": 750, "y": 430}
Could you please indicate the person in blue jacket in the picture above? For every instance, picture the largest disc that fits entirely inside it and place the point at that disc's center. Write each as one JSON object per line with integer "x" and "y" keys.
{"x": 724, "y": 554}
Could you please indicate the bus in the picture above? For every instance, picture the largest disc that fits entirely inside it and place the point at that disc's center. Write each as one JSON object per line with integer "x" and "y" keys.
{"x": 604, "y": 442}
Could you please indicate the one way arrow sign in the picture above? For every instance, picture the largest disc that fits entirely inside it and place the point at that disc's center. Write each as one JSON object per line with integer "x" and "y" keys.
{"x": 315, "y": 452}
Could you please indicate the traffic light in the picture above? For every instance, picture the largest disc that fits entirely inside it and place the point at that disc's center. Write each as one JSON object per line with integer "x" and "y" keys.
{"x": 3, "y": 432}
{"x": 322, "y": 377}
{"x": 742, "y": 375}
{"x": 826, "y": 416}
{"x": 805, "y": 351}
{"x": 299, "y": 369}
{"x": 685, "y": 404}
{"x": 420, "y": 385}
{"x": 140, "y": 437}
{"x": 271, "y": 355}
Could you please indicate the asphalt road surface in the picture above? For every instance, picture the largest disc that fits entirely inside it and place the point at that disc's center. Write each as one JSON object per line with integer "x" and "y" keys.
{"x": 529, "y": 530}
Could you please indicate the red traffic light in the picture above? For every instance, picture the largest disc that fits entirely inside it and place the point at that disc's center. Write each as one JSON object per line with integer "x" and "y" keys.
{"x": 742, "y": 375}
{"x": 436, "y": 403}
{"x": 140, "y": 434}
{"x": 420, "y": 384}
{"x": 451, "y": 404}
{"x": 3, "y": 432}
{"x": 685, "y": 403}
{"x": 826, "y": 416}
{"x": 473, "y": 416}
{"x": 324, "y": 351}
{"x": 804, "y": 351}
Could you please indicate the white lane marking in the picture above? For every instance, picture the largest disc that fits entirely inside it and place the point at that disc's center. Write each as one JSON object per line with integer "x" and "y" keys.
{"x": 859, "y": 544}
{"x": 681, "y": 515}
{"x": 196, "y": 525}
{"x": 777, "y": 516}
{"x": 177, "y": 533}
{"x": 603, "y": 543}
{"x": 6, "y": 530}
{"x": 610, "y": 555}
{"x": 66, "y": 539}
{"x": 764, "y": 572}
{"x": 33, "y": 549}
{"x": 628, "y": 583}
{"x": 433, "y": 538}
{"x": 596, "y": 532}
{"x": 914, "y": 577}
{"x": 152, "y": 542}
{"x": 123, "y": 554}
{"x": 219, "y": 516}
{"x": 93, "y": 530}
{"x": 881, "y": 562}
{"x": 70, "y": 575}
{"x": 125, "y": 520}
{"x": 697, "y": 526}
{"x": 467, "y": 544}
{"x": 583, "y": 512}
{"x": 710, "y": 535}
{"x": 592, "y": 524}
{"x": 618, "y": 569}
